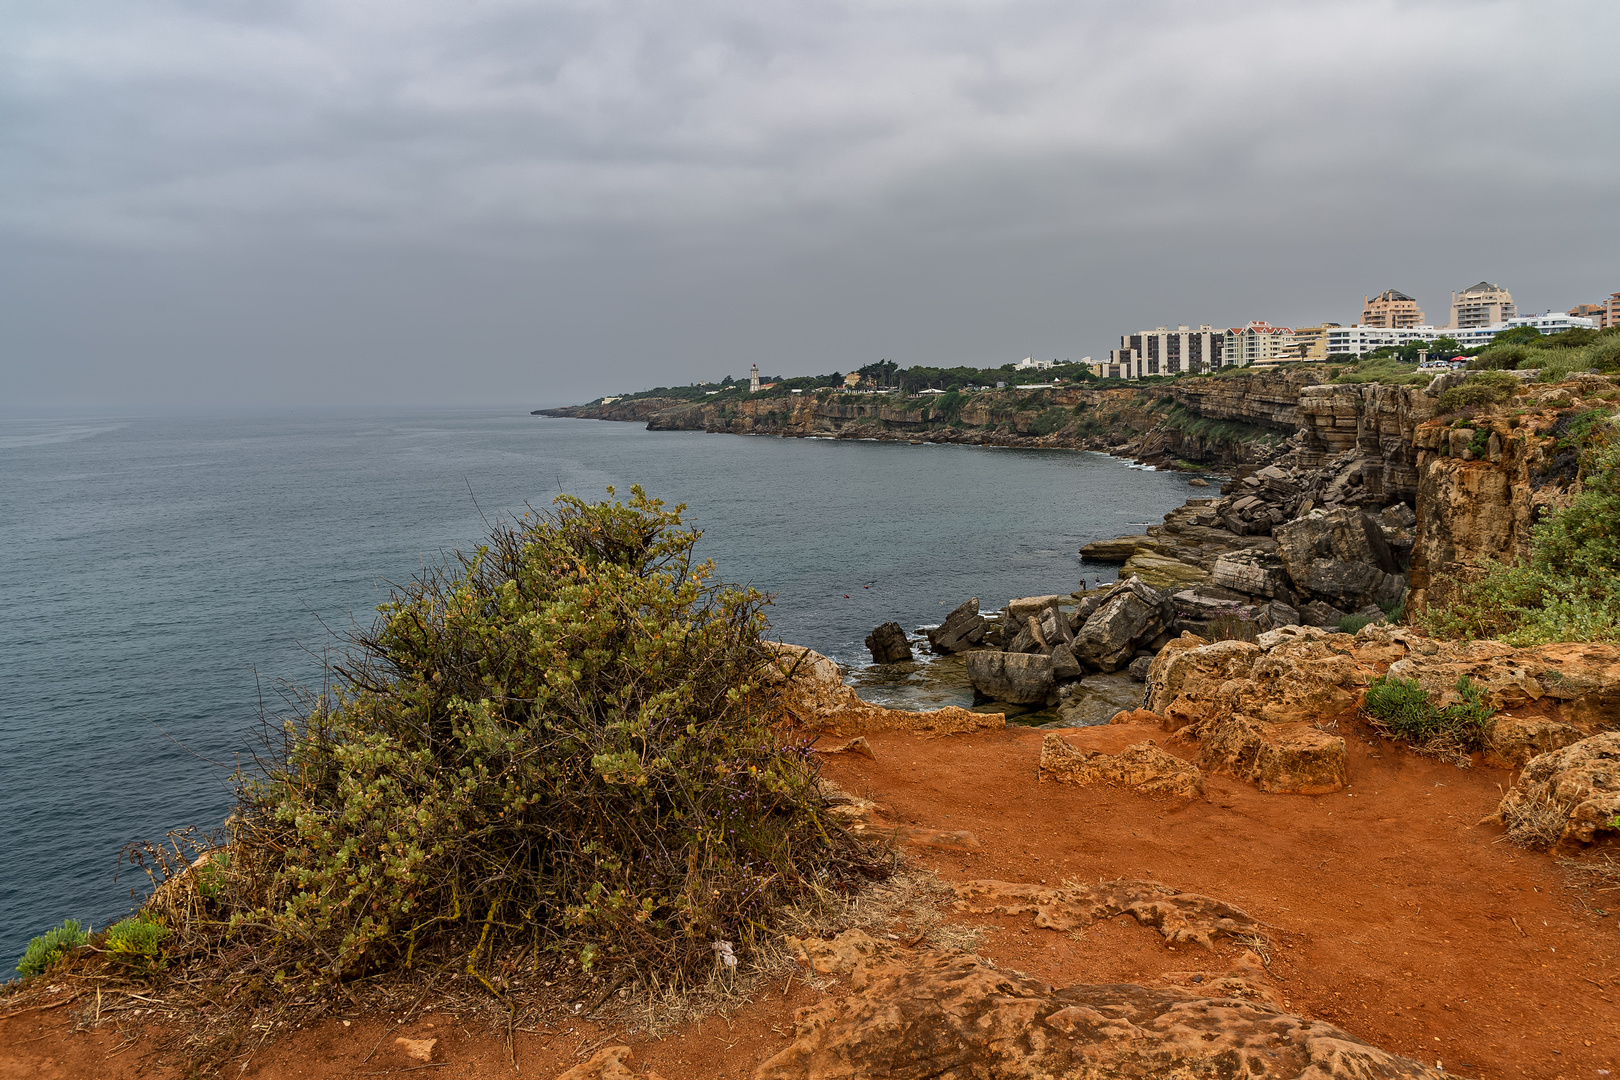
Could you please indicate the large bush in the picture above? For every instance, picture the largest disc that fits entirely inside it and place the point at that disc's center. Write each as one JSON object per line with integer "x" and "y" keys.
{"x": 563, "y": 741}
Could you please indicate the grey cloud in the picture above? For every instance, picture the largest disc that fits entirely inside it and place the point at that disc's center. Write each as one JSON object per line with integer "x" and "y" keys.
{"x": 565, "y": 198}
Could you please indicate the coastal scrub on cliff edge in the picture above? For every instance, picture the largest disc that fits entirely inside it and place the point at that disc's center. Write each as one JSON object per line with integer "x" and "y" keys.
{"x": 559, "y": 746}
{"x": 1568, "y": 589}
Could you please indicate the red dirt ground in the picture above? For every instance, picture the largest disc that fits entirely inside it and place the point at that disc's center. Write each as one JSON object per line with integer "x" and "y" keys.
{"x": 1394, "y": 914}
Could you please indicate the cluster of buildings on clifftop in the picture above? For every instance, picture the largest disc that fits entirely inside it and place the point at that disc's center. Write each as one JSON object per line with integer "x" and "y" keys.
{"x": 1391, "y": 318}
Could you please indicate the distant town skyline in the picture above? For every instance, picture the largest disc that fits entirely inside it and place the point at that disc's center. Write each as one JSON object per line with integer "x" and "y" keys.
{"x": 208, "y": 206}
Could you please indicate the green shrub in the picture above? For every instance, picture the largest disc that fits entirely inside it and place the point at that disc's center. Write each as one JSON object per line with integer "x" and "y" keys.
{"x": 1481, "y": 388}
{"x": 1403, "y": 710}
{"x": 50, "y": 947}
{"x": 1351, "y": 624}
{"x": 136, "y": 942}
{"x": 1049, "y": 421}
{"x": 561, "y": 742}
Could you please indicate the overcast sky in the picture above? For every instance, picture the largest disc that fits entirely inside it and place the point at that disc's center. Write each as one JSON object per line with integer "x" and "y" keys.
{"x": 211, "y": 203}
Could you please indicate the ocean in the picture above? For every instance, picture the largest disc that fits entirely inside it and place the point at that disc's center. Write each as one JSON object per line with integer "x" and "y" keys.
{"x": 166, "y": 578}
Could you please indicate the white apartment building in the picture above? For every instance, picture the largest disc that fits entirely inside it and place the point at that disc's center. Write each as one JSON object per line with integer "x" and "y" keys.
{"x": 1031, "y": 364}
{"x": 1163, "y": 351}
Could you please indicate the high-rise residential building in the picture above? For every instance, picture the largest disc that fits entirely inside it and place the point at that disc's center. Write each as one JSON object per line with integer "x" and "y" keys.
{"x": 1481, "y": 305}
{"x": 1243, "y": 345}
{"x": 1163, "y": 351}
{"x": 1390, "y": 310}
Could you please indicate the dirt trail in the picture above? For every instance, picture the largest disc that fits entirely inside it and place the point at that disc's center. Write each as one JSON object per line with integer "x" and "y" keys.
{"x": 1392, "y": 913}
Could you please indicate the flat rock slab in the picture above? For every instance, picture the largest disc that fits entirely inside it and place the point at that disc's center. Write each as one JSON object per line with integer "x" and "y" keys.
{"x": 948, "y": 1015}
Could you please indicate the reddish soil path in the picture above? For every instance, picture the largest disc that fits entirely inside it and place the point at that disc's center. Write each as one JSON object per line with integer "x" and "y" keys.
{"x": 1393, "y": 914}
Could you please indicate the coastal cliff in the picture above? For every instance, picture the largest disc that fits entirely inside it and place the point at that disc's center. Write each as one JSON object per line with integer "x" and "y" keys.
{"x": 1476, "y": 484}
{"x": 1149, "y": 424}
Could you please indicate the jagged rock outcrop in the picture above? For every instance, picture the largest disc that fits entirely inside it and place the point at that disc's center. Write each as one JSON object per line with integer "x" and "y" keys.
{"x": 1128, "y": 617}
{"x": 888, "y": 644}
{"x": 950, "y": 1015}
{"x": 1341, "y": 557}
{"x": 1566, "y": 799}
{"x": 1142, "y": 767}
{"x": 962, "y": 629}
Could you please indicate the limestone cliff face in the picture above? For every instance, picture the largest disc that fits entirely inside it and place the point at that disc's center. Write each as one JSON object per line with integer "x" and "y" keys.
{"x": 1269, "y": 399}
{"x": 1477, "y": 485}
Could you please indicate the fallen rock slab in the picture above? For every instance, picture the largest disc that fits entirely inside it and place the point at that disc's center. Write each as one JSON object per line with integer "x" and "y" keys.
{"x": 949, "y": 1015}
{"x": 1143, "y": 768}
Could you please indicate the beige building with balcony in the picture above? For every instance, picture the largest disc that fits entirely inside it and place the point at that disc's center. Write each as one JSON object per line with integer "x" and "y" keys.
{"x": 1480, "y": 305}
{"x": 1390, "y": 310}
{"x": 1245, "y": 345}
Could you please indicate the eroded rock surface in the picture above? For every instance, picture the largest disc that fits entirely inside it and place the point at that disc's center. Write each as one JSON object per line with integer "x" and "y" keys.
{"x": 1253, "y": 708}
{"x": 1178, "y": 916}
{"x": 948, "y": 1015}
{"x": 1142, "y": 767}
{"x": 1567, "y": 798}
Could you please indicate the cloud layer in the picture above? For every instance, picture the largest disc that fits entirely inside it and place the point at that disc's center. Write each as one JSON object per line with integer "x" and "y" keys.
{"x": 349, "y": 200}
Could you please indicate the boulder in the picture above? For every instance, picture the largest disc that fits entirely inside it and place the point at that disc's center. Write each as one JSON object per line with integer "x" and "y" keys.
{"x": 1132, "y": 614}
{"x": 1054, "y": 626}
{"x": 1293, "y": 759}
{"x": 1253, "y": 573}
{"x": 1340, "y": 556}
{"x": 1319, "y": 613}
{"x": 888, "y": 644}
{"x": 961, "y": 630}
{"x": 1565, "y": 799}
{"x": 1512, "y": 741}
{"x": 1019, "y": 678}
{"x": 1064, "y": 666}
{"x": 1028, "y": 639}
{"x": 1142, "y": 767}
{"x": 951, "y": 1015}
{"x": 1140, "y": 667}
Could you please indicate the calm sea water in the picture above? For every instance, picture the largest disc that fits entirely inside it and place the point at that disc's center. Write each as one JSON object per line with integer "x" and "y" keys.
{"x": 163, "y": 574}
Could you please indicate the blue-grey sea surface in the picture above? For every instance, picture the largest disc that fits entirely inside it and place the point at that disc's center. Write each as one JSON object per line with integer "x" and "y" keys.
{"x": 163, "y": 575}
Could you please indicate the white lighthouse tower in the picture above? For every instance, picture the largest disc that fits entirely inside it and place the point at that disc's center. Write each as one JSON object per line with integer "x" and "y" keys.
{"x": 753, "y": 378}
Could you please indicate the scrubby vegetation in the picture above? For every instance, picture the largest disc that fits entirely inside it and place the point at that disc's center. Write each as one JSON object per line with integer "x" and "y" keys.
{"x": 1480, "y": 389}
{"x": 49, "y": 948}
{"x": 561, "y": 742}
{"x": 1402, "y": 709}
{"x": 1566, "y": 590}
{"x": 1180, "y": 418}
{"x": 1383, "y": 368}
{"x": 1556, "y": 356}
